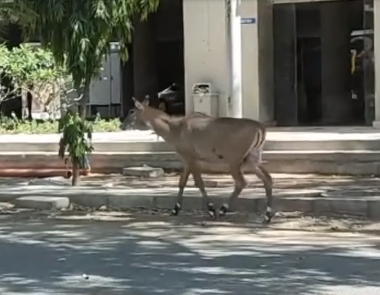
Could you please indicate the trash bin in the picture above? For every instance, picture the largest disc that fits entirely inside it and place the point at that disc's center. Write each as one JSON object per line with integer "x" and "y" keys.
{"x": 205, "y": 101}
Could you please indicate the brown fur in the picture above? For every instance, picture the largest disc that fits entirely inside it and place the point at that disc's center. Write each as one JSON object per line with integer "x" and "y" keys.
{"x": 200, "y": 140}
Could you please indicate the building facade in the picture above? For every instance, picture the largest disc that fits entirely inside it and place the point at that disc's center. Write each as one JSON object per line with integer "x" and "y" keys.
{"x": 302, "y": 62}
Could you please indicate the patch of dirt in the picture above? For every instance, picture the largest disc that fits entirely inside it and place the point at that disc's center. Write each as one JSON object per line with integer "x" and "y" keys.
{"x": 282, "y": 221}
{"x": 327, "y": 183}
{"x": 281, "y": 181}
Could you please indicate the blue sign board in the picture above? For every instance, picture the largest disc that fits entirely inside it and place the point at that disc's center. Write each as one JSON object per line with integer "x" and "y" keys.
{"x": 248, "y": 20}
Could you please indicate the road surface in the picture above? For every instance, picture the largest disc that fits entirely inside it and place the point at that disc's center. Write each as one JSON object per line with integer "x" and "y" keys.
{"x": 132, "y": 254}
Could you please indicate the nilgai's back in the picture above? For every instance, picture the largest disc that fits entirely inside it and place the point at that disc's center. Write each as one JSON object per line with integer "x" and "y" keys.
{"x": 199, "y": 138}
{"x": 221, "y": 139}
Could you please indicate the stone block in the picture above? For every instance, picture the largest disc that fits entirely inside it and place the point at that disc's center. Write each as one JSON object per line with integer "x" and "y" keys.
{"x": 144, "y": 171}
{"x": 93, "y": 200}
{"x": 129, "y": 201}
{"x": 293, "y": 205}
{"x": 42, "y": 203}
{"x": 349, "y": 206}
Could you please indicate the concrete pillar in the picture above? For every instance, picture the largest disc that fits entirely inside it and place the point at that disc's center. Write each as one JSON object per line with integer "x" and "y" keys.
{"x": 144, "y": 60}
{"x": 236, "y": 102}
{"x": 376, "y": 15}
{"x": 257, "y": 60}
{"x": 206, "y": 49}
{"x": 335, "y": 57}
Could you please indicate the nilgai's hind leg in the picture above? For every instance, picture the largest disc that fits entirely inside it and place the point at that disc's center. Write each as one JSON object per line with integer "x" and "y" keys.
{"x": 209, "y": 207}
{"x": 240, "y": 184}
{"x": 267, "y": 180}
{"x": 181, "y": 186}
{"x": 254, "y": 160}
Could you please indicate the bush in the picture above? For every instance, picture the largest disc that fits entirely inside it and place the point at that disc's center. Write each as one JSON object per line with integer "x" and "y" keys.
{"x": 16, "y": 126}
{"x": 33, "y": 69}
{"x": 75, "y": 144}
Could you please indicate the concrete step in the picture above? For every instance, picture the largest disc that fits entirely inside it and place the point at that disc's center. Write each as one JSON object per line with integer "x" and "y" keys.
{"x": 319, "y": 162}
{"x": 160, "y": 146}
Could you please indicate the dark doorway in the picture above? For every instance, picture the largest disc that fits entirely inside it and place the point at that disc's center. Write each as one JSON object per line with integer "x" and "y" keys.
{"x": 314, "y": 81}
{"x": 158, "y": 61}
{"x": 309, "y": 81}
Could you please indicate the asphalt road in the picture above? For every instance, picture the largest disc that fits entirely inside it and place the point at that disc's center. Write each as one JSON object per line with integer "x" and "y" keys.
{"x": 154, "y": 255}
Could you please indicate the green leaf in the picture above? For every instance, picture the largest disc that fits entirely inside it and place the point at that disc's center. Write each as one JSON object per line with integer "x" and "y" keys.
{"x": 76, "y": 137}
{"x": 29, "y": 67}
{"x": 79, "y": 32}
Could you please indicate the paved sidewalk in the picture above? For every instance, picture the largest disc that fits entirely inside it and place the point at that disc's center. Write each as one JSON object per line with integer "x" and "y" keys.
{"x": 304, "y": 193}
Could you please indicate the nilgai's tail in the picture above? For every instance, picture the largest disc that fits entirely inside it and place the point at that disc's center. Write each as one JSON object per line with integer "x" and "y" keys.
{"x": 260, "y": 137}
{"x": 199, "y": 114}
{"x": 261, "y": 134}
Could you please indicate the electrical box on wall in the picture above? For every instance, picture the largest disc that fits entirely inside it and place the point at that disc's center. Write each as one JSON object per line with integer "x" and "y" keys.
{"x": 105, "y": 90}
{"x": 204, "y": 100}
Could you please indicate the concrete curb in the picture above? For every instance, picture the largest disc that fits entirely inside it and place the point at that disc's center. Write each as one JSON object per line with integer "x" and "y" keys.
{"x": 42, "y": 203}
{"x": 307, "y": 201}
{"x": 149, "y": 145}
{"x": 341, "y": 163}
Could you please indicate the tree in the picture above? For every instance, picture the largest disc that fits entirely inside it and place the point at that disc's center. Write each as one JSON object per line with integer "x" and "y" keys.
{"x": 32, "y": 70}
{"x": 14, "y": 11}
{"x": 79, "y": 32}
{"x": 76, "y": 141}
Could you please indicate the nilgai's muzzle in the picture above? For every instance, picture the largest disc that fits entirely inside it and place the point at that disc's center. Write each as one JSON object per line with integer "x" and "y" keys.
{"x": 129, "y": 121}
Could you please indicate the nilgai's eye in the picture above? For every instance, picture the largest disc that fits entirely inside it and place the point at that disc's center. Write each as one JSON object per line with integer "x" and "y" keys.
{"x": 132, "y": 112}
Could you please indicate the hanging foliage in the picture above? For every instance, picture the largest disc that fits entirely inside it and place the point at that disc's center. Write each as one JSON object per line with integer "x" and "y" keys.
{"x": 14, "y": 11}
{"x": 79, "y": 33}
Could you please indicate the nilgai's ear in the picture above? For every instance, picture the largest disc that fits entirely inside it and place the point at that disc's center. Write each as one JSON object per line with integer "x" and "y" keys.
{"x": 138, "y": 104}
{"x": 146, "y": 101}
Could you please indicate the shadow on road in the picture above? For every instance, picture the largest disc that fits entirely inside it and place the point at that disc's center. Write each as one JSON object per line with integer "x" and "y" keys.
{"x": 162, "y": 255}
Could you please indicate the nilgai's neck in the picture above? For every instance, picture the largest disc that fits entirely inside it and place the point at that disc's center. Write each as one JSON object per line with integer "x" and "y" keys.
{"x": 163, "y": 126}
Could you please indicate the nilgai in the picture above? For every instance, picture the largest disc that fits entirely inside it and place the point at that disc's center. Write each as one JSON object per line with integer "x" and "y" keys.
{"x": 202, "y": 140}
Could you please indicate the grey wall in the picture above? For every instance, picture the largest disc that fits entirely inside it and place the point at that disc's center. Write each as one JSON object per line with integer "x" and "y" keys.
{"x": 206, "y": 49}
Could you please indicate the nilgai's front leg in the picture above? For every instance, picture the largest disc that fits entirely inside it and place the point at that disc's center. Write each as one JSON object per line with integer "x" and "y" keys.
{"x": 209, "y": 207}
{"x": 240, "y": 184}
{"x": 181, "y": 186}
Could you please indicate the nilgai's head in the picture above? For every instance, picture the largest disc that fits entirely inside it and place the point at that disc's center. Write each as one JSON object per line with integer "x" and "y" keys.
{"x": 137, "y": 116}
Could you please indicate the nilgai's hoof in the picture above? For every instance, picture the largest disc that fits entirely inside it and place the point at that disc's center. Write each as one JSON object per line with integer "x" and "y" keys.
{"x": 176, "y": 209}
{"x": 223, "y": 210}
{"x": 267, "y": 217}
{"x": 211, "y": 210}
